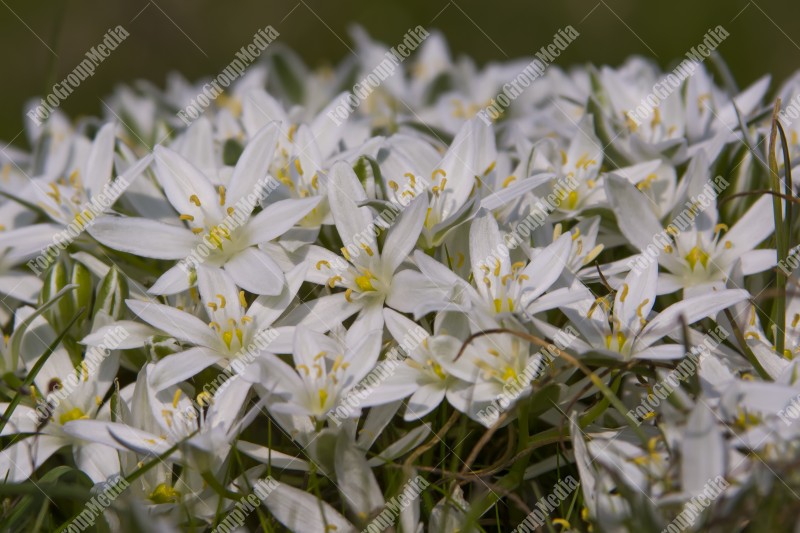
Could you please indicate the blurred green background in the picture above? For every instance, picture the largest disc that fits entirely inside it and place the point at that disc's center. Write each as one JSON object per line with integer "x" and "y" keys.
{"x": 41, "y": 41}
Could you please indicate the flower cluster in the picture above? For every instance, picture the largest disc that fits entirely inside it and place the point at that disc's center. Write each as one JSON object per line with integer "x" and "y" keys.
{"x": 401, "y": 312}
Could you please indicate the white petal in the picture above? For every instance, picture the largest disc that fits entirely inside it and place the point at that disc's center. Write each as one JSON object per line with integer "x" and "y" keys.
{"x": 344, "y": 193}
{"x": 101, "y": 160}
{"x": 180, "y": 180}
{"x": 146, "y": 238}
{"x": 693, "y": 309}
{"x": 278, "y": 218}
{"x": 181, "y": 366}
{"x": 402, "y": 237}
{"x": 255, "y": 271}
{"x": 300, "y": 511}
{"x": 703, "y": 451}
{"x": 253, "y": 164}
{"x": 179, "y": 324}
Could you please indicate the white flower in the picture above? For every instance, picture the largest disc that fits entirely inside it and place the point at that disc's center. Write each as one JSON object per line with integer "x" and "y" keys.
{"x": 208, "y": 215}
{"x": 236, "y": 330}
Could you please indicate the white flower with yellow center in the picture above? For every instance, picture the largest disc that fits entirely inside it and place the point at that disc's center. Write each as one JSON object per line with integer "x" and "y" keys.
{"x": 235, "y": 329}
{"x": 324, "y": 369}
{"x": 365, "y": 270}
{"x": 696, "y": 250}
{"x": 216, "y": 225}
{"x": 624, "y": 327}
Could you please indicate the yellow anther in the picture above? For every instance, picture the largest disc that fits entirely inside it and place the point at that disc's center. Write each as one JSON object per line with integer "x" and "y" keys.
{"x": 728, "y": 245}
{"x": 322, "y": 262}
{"x": 367, "y": 249}
{"x": 411, "y": 178}
{"x": 221, "y": 192}
{"x": 175, "y": 398}
{"x": 493, "y": 352}
{"x": 584, "y": 162}
{"x": 212, "y": 305}
{"x": 561, "y": 522}
{"x": 576, "y": 234}
{"x": 197, "y": 231}
{"x": 489, "y": 168}
{"x": 345, "y": 253}
{"x": 332, "y": 281}
{"x": 795, "y": 320}
{"x": 298, "y": 166}
{"x": 323, "y": 397}
{"x": 242, "y": 299}
{"x": 498, "y": 305}
{"x": 195, "y": 200}
{"x": 246, "y": 319}
{"x": 624, "y": 293}
{"x": 214, "y": 325}
{"x": 460, "y": 261}
{"x": 304, "y": 368}
{"x": 315, "y": 181}
{"x": 190, "y": 218}
{"x": 348, "y": 295}
{"x": 393, "y": 185}
{"x": 85, "y": 371}
{"x": 222, "y": 301}
{"x": 719, "y": 227}
{"x": 230, "y": 211}
{"x": 55, "y": 194}
{"x": 669, "y": 249}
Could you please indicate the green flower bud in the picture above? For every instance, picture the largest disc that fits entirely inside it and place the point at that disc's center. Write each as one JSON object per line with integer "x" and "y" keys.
{"x": 111, "y": 294}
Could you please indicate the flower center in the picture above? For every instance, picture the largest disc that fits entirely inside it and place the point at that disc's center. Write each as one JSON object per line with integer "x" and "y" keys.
{"x": 696, "y": 255}
{"x": 164, "y": 493}
{"x": 73, "y": 414}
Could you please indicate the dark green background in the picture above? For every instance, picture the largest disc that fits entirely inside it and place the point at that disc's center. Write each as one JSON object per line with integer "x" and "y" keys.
{"x": 170, "y": 34}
